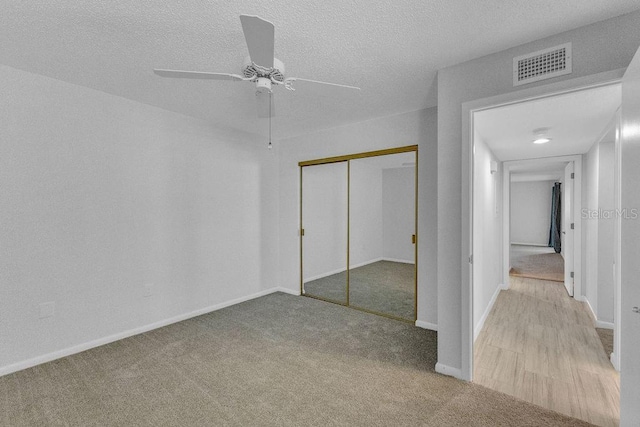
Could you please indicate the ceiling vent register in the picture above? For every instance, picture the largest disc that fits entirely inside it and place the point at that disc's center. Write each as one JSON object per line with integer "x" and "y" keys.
{"x": 541, "y": 65}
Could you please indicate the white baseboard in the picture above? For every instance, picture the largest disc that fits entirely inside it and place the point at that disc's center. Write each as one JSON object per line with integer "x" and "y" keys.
{"x": 615, "y": 361}
{"x": 4, "y": 370}
{"x": 320, "y": 276}
{"x": 427, "y": 325}
{"x": 403, "y": 261}
{"x": 478, "y": 327}
{"x": 604, "y": 325}
{"x": 362, "y": 264}
{"x": 340, "y": 270}
{"x": 287, "y": 291}
{"x": 598, "y": 323}
{"x": 586, "y": 302}
{"x": 448, "y": 370}
{"x": 530, "y": 244}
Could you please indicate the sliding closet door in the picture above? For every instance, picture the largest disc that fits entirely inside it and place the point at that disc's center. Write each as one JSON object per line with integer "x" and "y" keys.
{"x": 382, "y": 234}
{"x": 324, "y": 224}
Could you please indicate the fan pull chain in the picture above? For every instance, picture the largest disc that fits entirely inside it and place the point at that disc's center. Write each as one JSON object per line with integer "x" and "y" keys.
{"x": 270, "y": 146}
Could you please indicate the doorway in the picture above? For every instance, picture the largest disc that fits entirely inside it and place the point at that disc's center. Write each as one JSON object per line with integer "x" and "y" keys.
{"x": 530, "y": 336}
{"x": 359, "y": 231}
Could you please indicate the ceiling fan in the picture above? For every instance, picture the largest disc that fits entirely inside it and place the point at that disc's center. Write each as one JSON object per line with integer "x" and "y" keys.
{"x": 260, "y": 67}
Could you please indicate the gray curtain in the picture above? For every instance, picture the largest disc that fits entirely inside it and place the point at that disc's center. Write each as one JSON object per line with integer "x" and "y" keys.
{"x": 556, "y": 217}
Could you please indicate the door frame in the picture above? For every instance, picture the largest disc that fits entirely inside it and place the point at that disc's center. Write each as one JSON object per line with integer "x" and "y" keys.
{"x": 467, "y": 160}
{"x": 506, "y": 211}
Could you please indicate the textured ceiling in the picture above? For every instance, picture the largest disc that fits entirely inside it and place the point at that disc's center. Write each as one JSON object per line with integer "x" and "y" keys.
{"x": 575, "y": 121}
{"x": 392, "y": 50}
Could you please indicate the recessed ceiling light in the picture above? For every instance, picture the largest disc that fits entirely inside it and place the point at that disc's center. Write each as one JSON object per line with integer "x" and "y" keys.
{"x": 540, "y": 136}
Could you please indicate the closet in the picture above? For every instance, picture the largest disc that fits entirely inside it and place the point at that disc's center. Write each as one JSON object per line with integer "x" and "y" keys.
{"x": 358, "y": 231}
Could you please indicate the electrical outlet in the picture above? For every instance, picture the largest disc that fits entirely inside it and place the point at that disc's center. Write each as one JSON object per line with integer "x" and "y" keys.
{"x": 47, "y": 309}
{"x": 148, "y": 290}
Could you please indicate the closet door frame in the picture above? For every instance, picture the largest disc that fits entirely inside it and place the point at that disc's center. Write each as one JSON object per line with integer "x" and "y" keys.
{"x": 347, "y": 158}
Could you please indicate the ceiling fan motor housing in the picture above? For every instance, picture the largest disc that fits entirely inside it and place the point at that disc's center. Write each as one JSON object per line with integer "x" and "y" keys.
{"x": 264, "y": 76}
{"x": 263, "y": 85}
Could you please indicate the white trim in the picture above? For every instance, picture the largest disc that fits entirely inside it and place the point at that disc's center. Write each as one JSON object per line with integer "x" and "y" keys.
{"x": 506, "y": 224}
{"x": 8, "y": 369}
{"x": 583, "y": 299}
{"x": 577, "y": 209}
{"x": 449, "y": 371}
{"x": 468, "y": 109}
{"x": 362, "y": 264}
{"x": 597, "y": 323}
{"x": 530, "y": 244}
{"x": 615, "y": 361}
{"x": 494, "y": 297}
{"x": 604, "y": 325}
{"x": 322, "y": 275}
{"x": 340, "y": 270}
{"x": 427, "y": 325}
{"x": 295, "y": 292}
{"x": 403, "y": 261}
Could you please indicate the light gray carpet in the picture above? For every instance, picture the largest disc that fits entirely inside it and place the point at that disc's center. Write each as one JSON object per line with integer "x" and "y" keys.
{"x": 277, "y": 360}
{"x": 536, "y": 262}
{"x": 383, "y": 286}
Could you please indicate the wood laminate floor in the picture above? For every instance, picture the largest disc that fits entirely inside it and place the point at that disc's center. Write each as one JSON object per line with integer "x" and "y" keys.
{"x": 540, "y": 345}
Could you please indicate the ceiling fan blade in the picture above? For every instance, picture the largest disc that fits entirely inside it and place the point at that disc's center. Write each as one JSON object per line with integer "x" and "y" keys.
{"x": 262, "y": 103}
{"x": 290, "y": 80}
{"x": 178, "y": 74}
{"x": 259, "y": 35}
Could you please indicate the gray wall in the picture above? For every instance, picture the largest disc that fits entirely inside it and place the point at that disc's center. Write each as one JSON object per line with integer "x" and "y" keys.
{"x": 105, "y": 200}
{"x": 417, "y": 127}
{"x": 598, "y": 217}
{"x": 531, "y": 212}
{"x": 488, "y": 225}
{"x": 603, "y": 46}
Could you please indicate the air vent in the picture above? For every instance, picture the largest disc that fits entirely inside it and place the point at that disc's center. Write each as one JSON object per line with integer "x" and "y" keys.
{"x": 541, "y": 65}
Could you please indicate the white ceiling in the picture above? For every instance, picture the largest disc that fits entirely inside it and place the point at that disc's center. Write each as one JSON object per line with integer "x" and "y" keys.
{"x": 575, "y": 121}
{"x": 392, "y": 50}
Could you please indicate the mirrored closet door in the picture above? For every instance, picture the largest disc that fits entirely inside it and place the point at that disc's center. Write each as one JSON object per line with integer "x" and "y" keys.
{"x": 382, "y": 234}
{"x": 324, "y": 212}
{"x": 358, "y": 231}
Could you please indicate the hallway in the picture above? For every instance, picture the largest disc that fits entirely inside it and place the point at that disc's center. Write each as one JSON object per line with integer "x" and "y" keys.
{"x": 540, "y": 345}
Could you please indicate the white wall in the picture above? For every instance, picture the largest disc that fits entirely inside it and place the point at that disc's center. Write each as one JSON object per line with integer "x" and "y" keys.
{"x": 324, "y": 219}
{"x": 603, "y": 46}
{"x": 365, "y": 212}
{"x": 417, "y": 127}
{"x": 598, "y": 227}
{"x": 590, "y": 226}
{"x": 398, "y": 217}
{"x": 382, "y": 215}
{"x": 102, "y": 195}
{"x": 487, "y": 238}
{"x": 531, "y": 212}
{"x": 606, "y": 226}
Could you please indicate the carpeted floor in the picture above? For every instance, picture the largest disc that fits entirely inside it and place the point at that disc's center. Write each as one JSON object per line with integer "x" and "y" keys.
{"x": 276, "y": 360}
{"x": 384, "y": 287}
{"x": 536, "y": 263}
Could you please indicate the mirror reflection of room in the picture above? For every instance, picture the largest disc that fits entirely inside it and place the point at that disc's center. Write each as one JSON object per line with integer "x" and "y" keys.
{"x": 359, "y": 233}
{"x": 324, "y": 214}
{"x": 382, "y": 229}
